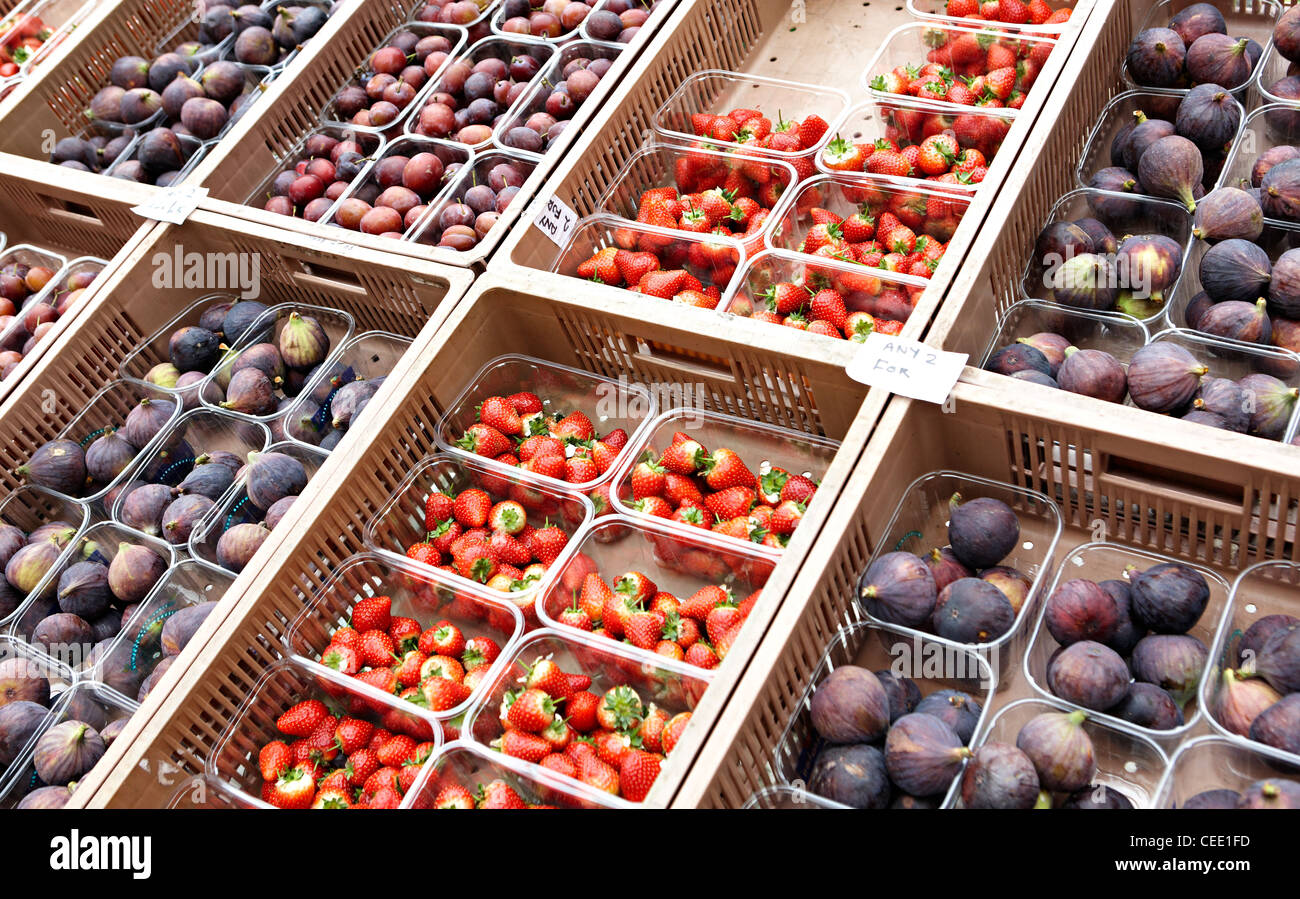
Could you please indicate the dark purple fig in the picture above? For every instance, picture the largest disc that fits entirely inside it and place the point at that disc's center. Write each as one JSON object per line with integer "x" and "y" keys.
{"x": 139, "y": 104}
{"x": 1146, "y": 705}
{"x": 1037, "y": 377}
{"x": 972, "y": 611}
{"x": 1253, "y": 640}
{"x": 239, "y": 320}
{"x": 273, "y": 476}
{"x": 21, "y": 681}
{"x": 1080, "y": 610}
{"x": 174, "y": 96}
{"x": 1100, "y": 796}
{"x": 182, "y": 515}
{"x": 154, "y": 678}
{"x": 1283, "y": 794}
{"x": 61, "y": 634}
{"x": 1120, "y": 142}
{"x": 1156, "y": 57}
{"x": 351, "y": 399}
{"x": 251, "y": 392}
{"x": 45, "y": 798}
{"x": 1223, "y": 397}
{"x": 1208, "y": 117}
{"x": 143, "y": 507}
{"x": 83, "y": 590}
{"x": 113, "y": 730}
{"x": 1240, "y": 700}
{"x": 203, "y": 117}
{"x": 1116, "y": 180}
{"x": 1173, "y": 662}
{"x": 958, "y": 710}
{"x": 264, "y": 357}
{"x": 331, "y": 440}
{"x": 1227, "y": 213}
{"x": 303, "y": 342}
{"x": 213, "y": 315}
{"x": 146, "y": 421}
{"x": 167, "y": 67}
{"x": 1270, "y": 403}
{"x": 1279, "y": 725}
{"x": 237, "y": 546}
{"x": 851, "y": 775}
{"x": 1014, "y": 584}
{"x": 134, "y": 571}
{"x": 222, "y": 457}
{"x": 106, "y": 626}
{"x": 946, "y": 567}
{"x": 1284, "y": 288}
{"x": 193, "y": 349}
{"x": 1088, "y": 674}
{"x": 66, "y": 752}
{"x": 1103, "y": 239}
{"x": 1216, "y": 59}
{"x": 1235, "y": 320}
{"x": 1058, "y": 242}
{"x": 59, "y": 465}
{"x": 1169, "y": 598}
{"x": 28, "y": 567}
{"x": 1209, "y": 419}
{"x": 1280, "y": 191}
{"x": 923, "y": 754}
{"x": 1213, "y": 799}
{"x": 999, "y": 776}
{"x": 304, "y": 426}
{"x": 1268, "y": 159}
{"x": 1196, "y": 308}
{"x": 19, "y": 721}
{"x": 982, "y": 531}
{"x": 1171, "y": 168}
{"x": 12, "y": 539}
{"x": 850, "y": 706}
{"x": 1060, "y": 750}
{"x": 1052, "y": 346}
{"x": 181, "y": 627}
{"x": 1094, "y": 373}
{"x": 278, "y": 510}
{"x": 903, "y": 693}
{"x": 1146, "y": 133}
{"x": 210, "y": 480}
{"x": 1017, "y": 357}
{"x": 1163, "y": 377}
{"x": 1278, "y": 660}
{"x": 1286, "y": 35}
{"x": 1086, "y": 281}
{"x": 107, "y": 457}
{"x": 187, "y": 386}
{"x": 1197, "y": 20}
{"x": 898, "y": 588}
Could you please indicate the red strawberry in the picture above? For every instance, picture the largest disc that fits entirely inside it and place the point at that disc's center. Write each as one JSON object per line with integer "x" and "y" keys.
{"x": 499, "y": 413}
{"x": 595, "y": 773}
{"x": 397, "y": 751}
{"x": 274, "y": 759}
{"x": 480, "y": 651}
{"x": 581, "y": 709}
{"x": 643, "y": 629}
{"x": 454, "y": 796}
{"x": 377, "y": 649}
{"x": 532, "y": 711}
{"x": 701, "y": 655}
{"x": 620, "y": 709}
{"x": 560, "y": 764}
{"x": 724, "y": 468}
{"x": 733, "y": 502}
{"x": 344, "y": 659}
{"x": 443, "y": 639}
{"x": 303, "y": 718}
{"x": 442, "y": 694}
{"x": 295, "y": 788}
{"x": 499, "y": 795}
{"x": 601, "y": 267}
{"x": 636, "y": 774}
{"x": 374, "y": 613}
{"x": 472, "y": 508}
{"x": 526, "y": 746}
{"x": 485, "y": 441}
{"x": 575, "y": 617}
{"x": 811, "y": 131}
{"x": 547, "y": 543}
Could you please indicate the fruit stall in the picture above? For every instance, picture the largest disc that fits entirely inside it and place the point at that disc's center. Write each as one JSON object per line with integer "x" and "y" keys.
{"x": 461, "y": 404}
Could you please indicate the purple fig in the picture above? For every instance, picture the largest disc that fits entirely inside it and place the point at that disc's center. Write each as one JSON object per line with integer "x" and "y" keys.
{"x": 1280, "y": 191}
{"x": 923, "y": 755}
{"x": 182, "y": 515}
{"x": 1208, "y": 117}
{"x": 1129, "y": 631}
{"x": 351, "y": 399}
{"x": 12, "y": 539}
{"x": 164, "y": 375}
{"x": 1213, "y": 799}
{"x": 1265, "y": 161}
{"x": 1163, "y": 377}
{"x": 1052, "y": 346}
{"x": 1115, "y": 180}
{"x": 958, "y": 710}
{"x": 60, "y": 532}
{"x": 108, "y": 456}
{"x": 61, "y": 634}
{"x": 1094, "y": 373}
{"x": 250, "y": 392}
{"x": 1059, "y": 241}
{"x": 1271, "y": 404}
{"x": 1224, "y": 398}
{"x": 208, "y": 479}
{"x": 66, "y": 752}
{"x": 851, "y": 775}
{"x": 146, "y": 421}
{"x": 1146, "y": 133}
{"x": 1088, "y": 674}
{"x": 1235, "y": 320}
{"x": 1087, "y": 281}
{"x": 1099, "y": 797}
{"x": 1169, "y": 598}
{"x": 1283, "y": 794}
{"x": 1216, "y": 59}
{"x": 999, "y": 776}
{"x": 1253, "y": 640}
{"x": 303, "y": 342}
{"x": 982, "y": 531}
{"x": 262, "y": 356}
{"x": 28, "y": 567}
{"x": 1235, "y": 270}
{"x": 1197, "y": 20}
{"x": 134, "y": 571}
{"x": 278, "y": 510}
{"x": 237, "y": 546}
{"x": 143, "y": 507}
{"x": 1239, "y": 701}
{"x": 1103, "y": 239}
{"x": 21, "y": 681}
{"x": 1156, "y": 58}
{"x": 1173, "y": 662}
{"x": 1286, "y": 34}
{"x": 970, "y": 610}
{"x": 83, "y": 589}
{"x": 181, "y": 627}
{"x": 1150, "y": 261}
{"x": 273, "y": 476}
{"x": 898, "y": 588}
{"x": 59, "y": 465}
{"x": 946, "y": 567}
{"x": 19, "y": 721}
{"x": 1226, "y": 213}
{"x": 902, "y": 692}
{"x": 193, "y": 349}
{"x": 1284, "y": 287}
{"x": 1278, "y": 660}
{"x": 1014, "y": 584}
{"x": 1036, "y": 377}
{"x": 1172, "y": 167}
{"x": 1060, "y": 750}
{"x": 1196, "y": 308}
{"x": 850, "y": 706}
{"x": 1146, "y": 705}
{"x": 1080, "y": 610}
{"x": 1279, "y": 725}
{"x": 1015, "y": 358}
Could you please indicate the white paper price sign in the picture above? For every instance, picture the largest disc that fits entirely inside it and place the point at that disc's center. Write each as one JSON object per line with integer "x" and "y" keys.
{"x": 555, "y": 219}
{"x": 906, "y": 367}
{"x": 174, "y": 204}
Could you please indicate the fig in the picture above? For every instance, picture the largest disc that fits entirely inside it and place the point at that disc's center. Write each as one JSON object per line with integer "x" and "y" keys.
{"x": 106, "y": 626}
{"x": 1173, "y": 662}
{"x": 1279, "y": 191}
{"x": 1061, "y": 240}
{"x": 851, "y": 775}
{"x": 66, "y": 752}
{"x": 1209, "y": 117}
{"x": 1097, "y": 797}
{"x": 1278, "y": 660}
{"x": 146, "y": 421}
{"x": 107, "y": 457}
{"x": 923, "y": 754}
{"x": 1279, "y": 725}
{"x": 982, "y": 531}
{"x": 237, "y": 546}
{"x": 1163, "y": 377}
{"x": 1146, "y": 133}
{"x": 193, "y": 349}
{"x": 210, "y": 479}
{"x": 1017, "y": 357}
{"x": 273, "y": 476}
{"x": 1086, "y": 281}
{"x": 182, "y": 515}
{"x": 1171, "y": 168}
{"x": 164, "y": 375}
{"x": 264, "y": 357}
{"x": 250, "y": 392}
{"x": 28, "y": 567}
{"x": 1060, "y": 749}
{"x": 1146, "y": 705}
{"x": 22, "y": 681}
{"x": 970, "y": 610}
{"x": 1258, "y": 634}
{"x": 1239, "y": 701}
{"x": 958, "y": 710}
{"x": 59, "y": 465}
{"x": 205, "y": 118}
{"x": 898, "y": 588}
{"x": 1235, "y": 320}
{"x": 1088, "y": 674}
{"x": 1213, "y": 799}
{"x": 1284, "y": 287}
{"x": 278, "y": 510}
{"x": 1269, "y": 158}
{"x": 1169, "y": 598}
{"x": 83, "y": 589}
{"x": 1270, "y": 403}
{"x": 1052, "y": 346}
{"x": 850, "y": 706}
{"x": 1197, "y": 20}
{"x": 1226, "y": 213}
{"x": 134, "y": 571}
{"x": 1225, "y": 398}
{"x": 113, "y": 730}
{"x": 143, "y": 507}
{"x": 1283, "y": 794}
{"x": 1286, "y": 35}
{"x": 946, "y": 567}
{"x": 1103, "y": 239}
{"x": 1156, "y": 58}
{"x": 154, "y": 677}
{"x": 61, "y": 633}
{"x": 1080, "y": 610}
{"x": 351, "y": 399}
{"x": 59, "y": 532}
{"x": 12, "y": 539}
{"x": 45, "y": 798}
{"x": 19, "y": 720}
{"x": 1014, "y": 584}
{"x": 1115, "y": 180}
{"x": 999, "y": 776}
{"x": 303, "y": 342}
{"x": 238, "y": 320}
{"x": 1094, "y": 373}
{"x": 181, "y": 627}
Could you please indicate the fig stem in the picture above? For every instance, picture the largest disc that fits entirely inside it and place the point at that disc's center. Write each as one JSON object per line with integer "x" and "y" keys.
{"x": 1077, "y": 718}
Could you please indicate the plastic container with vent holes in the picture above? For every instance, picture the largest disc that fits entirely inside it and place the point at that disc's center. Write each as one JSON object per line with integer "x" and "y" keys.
{"x": 28, "y": 508}
{"x": 1215, "y": 763}
{"x": 153, "y": 350}
{"x": 935, "y": 11}
{"x": 1119, "y": 335}
{"x": 466, "y": 765}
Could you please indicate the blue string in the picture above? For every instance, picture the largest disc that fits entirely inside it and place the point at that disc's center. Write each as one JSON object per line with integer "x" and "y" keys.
{"x": 92, "y": 435}
{"x": 908, "y": 536}
{"x": 237, "y": 507}
{"x": 162, "y": 475}
{"x": 162, "y": 614}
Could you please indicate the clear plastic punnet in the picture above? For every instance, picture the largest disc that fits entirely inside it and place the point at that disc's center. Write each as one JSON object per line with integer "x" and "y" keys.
{"x": 1214, "y": 772}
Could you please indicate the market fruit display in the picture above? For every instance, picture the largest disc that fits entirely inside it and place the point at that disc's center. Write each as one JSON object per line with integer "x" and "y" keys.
{"x": 325, "y": 169}
{"x": 30, "y": 307}
{"x": 263, "y": 368}
{"x": 537, "y": 124}
{"x": 271, "y": 483}
{"x": 482, "y": 193}
{"x": 933, "y": 144}
{"x": 755, "y": 129}
{"x": 28, "y": 557}
{"x": 1052, "y": 764}
{"x": 631, "y": 15}
{"x": 1254, "y": 692}
{"x": 477, "y": 89}
{"x": 386, "y": 86}
{"x": 1193, "y": 49}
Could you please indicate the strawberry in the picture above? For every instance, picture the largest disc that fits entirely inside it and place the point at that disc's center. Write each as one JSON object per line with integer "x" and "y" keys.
{"x": 472, "y": 508}
{"x": 382, "y": 679}
{"x": 507, "y": 517}
{"x": 344, "y": 659}
{"x": 647, "y": 480}
{"x": 595, "y": 773}
{"x": 702, "y": 601}
{"x": 636, "y": 774}
{"x": 547, "y": 677}
{"x": 295, "y": 788}
{"x": 643, "y": 629}
{"x": 484, "y": 440}
{"x": 442, "y": 694}
{"x": 442, "y": 666}
{"x": 509, "y": 550}
{"x": 374, "y": 613}
{"x": 526, "y": 746}
{"x": 1013, "y": 12}
{"x": 385, "y": 798}
{"x": 785, "y": 297}
{"x": 454, "y": 796}
{"x": 651, "y": 729}
{"x": 480, "y": 651}
{"x": 733, "y": 502}
{"x": 274, "y": 759}
{"x": 377, "y": 649}
{"x": 397, "y": 751}
{"x": 656, "y": 506}
{"x": 720, "y": 620}
{"x": 443, "y": 639}
{"x": 888, "y": 162}
{"x": 843, "y": 156}
{"x": 560, "y": 764}
{"x": 724, "y": 468}
{"x": 828, "y": 306}
{"x": 547, "y": 543}
{"x": 663, "y": 284}
{"x": 303, "y": 718}
{"x": 811, "y": 130}
{"x": 499, "y": 795}
{"x": 475, "y": 560}
{"x": 352, "y": 734}
{"x": 498, "y": 413}
{"x": 601, "y": 267}
{"x": 1001, "y": 82}
{"x": 593, "y": 596}
{"x": 620, "y": 709}
{"x": 575, "y": 617}
{"x": 612, "y": 747}
{"x": 581, "y": 707}
{"x": 701, "y": 655}
{"x": 532, "y": 711}
{"x": 684, "y": 458}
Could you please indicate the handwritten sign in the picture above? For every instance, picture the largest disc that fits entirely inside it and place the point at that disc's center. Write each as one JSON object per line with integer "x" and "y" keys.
{"x": 174, "y": 204}
{"x": 555, "y": 219}
{"x": 906, "y": 367}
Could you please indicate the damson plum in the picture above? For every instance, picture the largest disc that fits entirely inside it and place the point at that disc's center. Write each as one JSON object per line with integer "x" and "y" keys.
{"x": 1239, "y": 701}
{"x": 1273, "y": 793}
{"x": 850, "y": 706}
{"x": 1163, "y": 377}
{"x": 958, "y": 710}
{"x": 1146, "y": 705}
{"x": 1060, "y": 749}
{"x": 1173, "y": 662}
{"x": 852, "y": 775}
{"x": 923, "y": 754}
{"x": 1094, "y": 373}
{"x": 1156, "y": 58}
{"x": 898, "y": 588}
{"x": 982, "y": 531}
{"x": 1279, "y": 725}
{"x": 999, "y": 776}
{"x": 1088, "y": 674}
{"x": 970, "y": 610}
{"x": 1100, "y": 796}
{"x": 1079, "y": 610}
